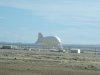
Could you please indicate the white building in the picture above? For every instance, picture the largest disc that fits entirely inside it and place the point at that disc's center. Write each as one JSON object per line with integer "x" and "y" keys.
{"x": 75, "y": 50}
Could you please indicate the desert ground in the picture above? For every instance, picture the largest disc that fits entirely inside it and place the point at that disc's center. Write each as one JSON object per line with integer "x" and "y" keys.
{"x": 24, "y": 62}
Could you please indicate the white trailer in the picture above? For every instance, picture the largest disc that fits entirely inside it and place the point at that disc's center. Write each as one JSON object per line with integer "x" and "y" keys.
{"x": 75, "y": 50}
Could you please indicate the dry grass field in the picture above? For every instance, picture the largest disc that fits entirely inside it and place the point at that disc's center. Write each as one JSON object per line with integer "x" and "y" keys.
{"x": 22, "y": 62}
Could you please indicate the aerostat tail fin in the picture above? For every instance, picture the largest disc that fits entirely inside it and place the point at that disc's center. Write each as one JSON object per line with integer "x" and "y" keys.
{"x": 40, "y": 35}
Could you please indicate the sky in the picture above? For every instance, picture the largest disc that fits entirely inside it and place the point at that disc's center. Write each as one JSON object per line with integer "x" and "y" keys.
{"x": 73, "y": 21}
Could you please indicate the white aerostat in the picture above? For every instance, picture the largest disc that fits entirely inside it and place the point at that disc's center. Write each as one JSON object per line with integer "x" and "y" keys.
{"x": 50, "y": 42}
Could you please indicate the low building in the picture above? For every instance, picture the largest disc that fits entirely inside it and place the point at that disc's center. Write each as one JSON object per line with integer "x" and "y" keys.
{"x": 8, "y": 47}
{"x": 75, "y": 50}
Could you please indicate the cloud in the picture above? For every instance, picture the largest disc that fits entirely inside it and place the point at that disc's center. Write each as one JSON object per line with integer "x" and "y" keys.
{"x": 73, "y": 12}
{"x": 68, "y": 13}
{"x": 60, "y": 12}
{"x": 79, "y": 19}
